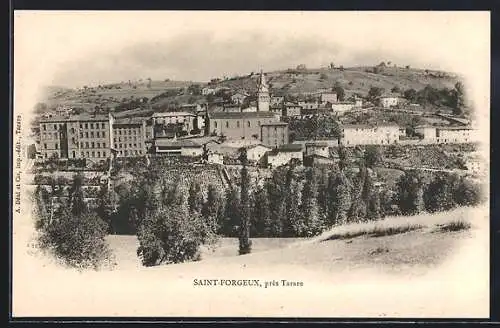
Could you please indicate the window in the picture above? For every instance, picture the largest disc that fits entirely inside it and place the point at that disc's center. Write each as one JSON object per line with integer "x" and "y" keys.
{"x": 91, "y": 125}
{"x": 86, "y": 134}
{"x": 74, "y": 154}
{"x": 93, "y": 154}
{"x": 45, "y": 145}
{"x": 126, "y": 152}
{"x": 103, "y": 134}
{"x": 91, "y": 134}
{"x": 45, "y": 155}
{"x": 103, "y": 125}
{"x": 81, "y": 127}
{"x": 119, "y": 139}
{"x": 81, "y": 134}
{"x": 227, "y": 124}
{"x": 135, "y": 138}
{"x": 81, "y": 144}
{"x": 44, "y": 127}
{"x": 73, "y": 140}
{"x": 97, "y": 134}
{"x": 92, "y": 145}
{"x": 114, "y": 139}
{"x": 72, "y": 130}
{"x": 237, "y": 124}
{"x": 55, "y": 126}
{"x": 130, "y": 145}
{"x": 103, "y": 145}
{"x": 86, "y": 125}
{"x": 129, "y": 132}
{"x": 98, "y": 154}
{"x": 104, "y": 154}
{"x": 88, "y": 154}
{"x": 98, "y": 145}
{"x": 135, "y": 145}
{"x": 248, "y": 123}
{"x": 55, "y": 135}
{"x": 87, "y": 144}
{"x": 116, "y": 146}
{"x": 119, "y": 132}
{"x": 215, "y": 124}
{"x": 83, "y": 154}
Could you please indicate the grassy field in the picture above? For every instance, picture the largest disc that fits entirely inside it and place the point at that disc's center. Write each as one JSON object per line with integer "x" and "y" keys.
{"x": 421, "y": 266}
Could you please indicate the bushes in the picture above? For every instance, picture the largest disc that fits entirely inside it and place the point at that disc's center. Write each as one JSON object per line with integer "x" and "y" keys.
{"x": 77, "y": 240}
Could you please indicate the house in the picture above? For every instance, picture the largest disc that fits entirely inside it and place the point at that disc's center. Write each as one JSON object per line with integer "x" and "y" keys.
{"x": 444, "y": 135}
{"x": 178, "y": 121}
{"x": 255, "y": 153}
{"x": 328, "y": 97}
{"x": 174, "y": 147}
{"x": 308, "y": 105}
{"x": 315, "y": 159}
{"x": 274, "y": 134}
{"x": 208, "y": 91}
{"x": 317, "y": 148}
{"x": 284, "y": 154}
{"x": 239, "y": 97}
{"x": 340, "y": 107}
{"x": 215, "y": 158}
{"x": 232, "y": 108}
{"x": 277, "y": 101}
{"x": 364, "y": 134}
{"x": 292, "y": 110}
{"x": 389, "y": 101}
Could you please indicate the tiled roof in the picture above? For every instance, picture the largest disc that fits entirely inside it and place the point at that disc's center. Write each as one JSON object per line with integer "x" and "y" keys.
{"x": 170, "y": 114}
{"x": 164, "y": 142}
{"x": 237, "y": 115}
{"x": 274, "y": 123}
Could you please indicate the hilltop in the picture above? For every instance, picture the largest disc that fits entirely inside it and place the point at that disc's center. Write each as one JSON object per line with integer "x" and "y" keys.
{"x": 162, "y": 95}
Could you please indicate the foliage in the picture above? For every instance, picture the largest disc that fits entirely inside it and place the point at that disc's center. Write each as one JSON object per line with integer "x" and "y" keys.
{"x": 410, "y": 193}
{"x": 244, "y": 233}
{"x": 374, "y": 93}
{"x": 372, "y": 155}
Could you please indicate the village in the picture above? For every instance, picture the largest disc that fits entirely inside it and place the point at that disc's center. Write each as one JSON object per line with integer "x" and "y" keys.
{"x": 213, "y": 132}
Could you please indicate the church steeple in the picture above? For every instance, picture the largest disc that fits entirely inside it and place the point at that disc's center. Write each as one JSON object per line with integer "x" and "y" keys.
{"x": 263, "y": 98}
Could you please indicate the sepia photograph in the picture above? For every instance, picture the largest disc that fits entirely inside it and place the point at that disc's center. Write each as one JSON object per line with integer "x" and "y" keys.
{"x": 266, "y": 164}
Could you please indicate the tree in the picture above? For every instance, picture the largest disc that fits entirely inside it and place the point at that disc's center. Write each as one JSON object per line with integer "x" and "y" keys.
{"x": 439, "y": 193}
{"x": 261, "y": 214}
{"x": 457, "y": 98}
{"x": 76, "y": 200}
{"x": 374, "y": 93}
{"x": 194, "y": 89}
{"x": 358, "y": 208}
{"x": 244, "y": 233}
{"x": 410, "y": 94}
{"x": 277, "y": 195}
{"x": 410, "y": 193}
{"x": 213, "y": 209}
{"x": 105, "y": 206}
{"x": 340, "y": 192}
{"x": 468, "y": 193}
{"x": 372, "y": 155}
{"x": 343, "y": 157}
{"x": 230, "y": 225}
{"x": 311, "y": 222}
{"x": 339, "y": 90}
{"x": 291, "y": 201}
{"x": 195, "y": 198}
{"x": 396, "y": 89}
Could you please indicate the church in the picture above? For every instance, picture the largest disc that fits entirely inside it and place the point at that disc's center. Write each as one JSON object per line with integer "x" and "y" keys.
{"x": 246, "y": 125}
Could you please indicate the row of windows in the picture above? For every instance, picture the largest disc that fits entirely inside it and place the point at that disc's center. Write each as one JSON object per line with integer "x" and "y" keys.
{"x": 130, "y": 152}
{"x": 91, "y": 154}
{"x": 125, "y": 145}
{"x": 98, "y": 134}
{"x": 126, "y": 138}
{"x": 130, "y": 132}
{"x": 249, "y": 124}
{"x": 49, "y": 135}
{"x": 92, "y": 145}
{"x": 92, "y": 125}
{"x": 56, "y": 146}
{"x": 56, "y": 127}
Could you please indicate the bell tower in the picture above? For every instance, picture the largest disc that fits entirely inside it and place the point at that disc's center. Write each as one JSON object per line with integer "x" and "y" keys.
{"x": 263, "y": 97}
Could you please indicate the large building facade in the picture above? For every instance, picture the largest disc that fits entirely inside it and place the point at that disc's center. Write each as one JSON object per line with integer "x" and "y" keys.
{"x": 83, "y": 136}
{"x": 243, "y": 125}
{"x": 129, "y": 137}
{"x": 362, "y": 134}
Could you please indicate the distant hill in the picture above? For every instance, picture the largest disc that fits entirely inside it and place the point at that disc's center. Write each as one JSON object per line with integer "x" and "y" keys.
{"x": 163, "y": 94}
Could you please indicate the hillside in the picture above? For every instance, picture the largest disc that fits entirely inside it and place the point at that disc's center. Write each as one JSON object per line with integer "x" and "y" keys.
{"x": 162, "y": 94}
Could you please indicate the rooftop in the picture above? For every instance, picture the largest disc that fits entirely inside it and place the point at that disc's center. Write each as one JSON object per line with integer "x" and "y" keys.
{"x": 130, "y": 120}
{"x": 75, "y": 118}
{"x": 170, "y": 114}
{"x": 369, "y": 126}
{"x": 237, "y": 115}
{"x": 164, "y": 142}
{"x": 274, "y": 123}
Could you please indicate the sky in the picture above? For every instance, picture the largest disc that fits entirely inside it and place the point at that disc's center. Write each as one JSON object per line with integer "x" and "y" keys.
{"x": 88, "y": 48}
{"x": 73, "y": 49}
